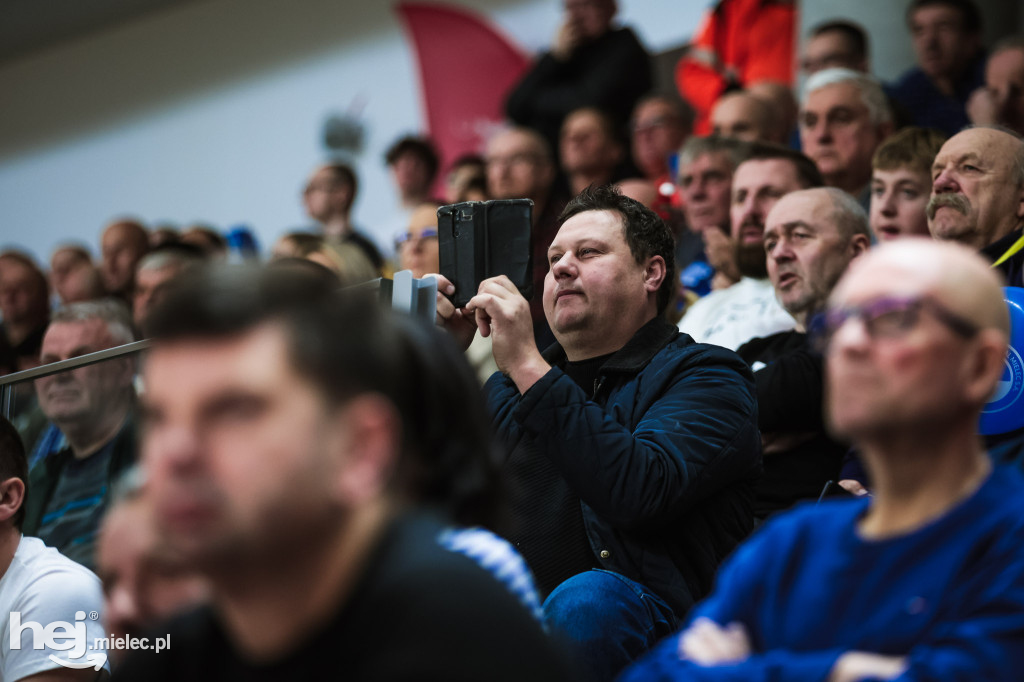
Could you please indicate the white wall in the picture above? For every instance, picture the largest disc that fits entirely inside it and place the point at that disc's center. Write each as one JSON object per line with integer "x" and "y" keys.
{"x": 213, "y": 111}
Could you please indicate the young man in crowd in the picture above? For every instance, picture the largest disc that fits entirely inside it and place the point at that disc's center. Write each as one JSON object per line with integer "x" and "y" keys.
{"x": 901, "y": 183}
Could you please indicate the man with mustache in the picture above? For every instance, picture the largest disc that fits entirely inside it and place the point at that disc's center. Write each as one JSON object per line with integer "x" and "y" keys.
{"x": 978, "y": 196}
{"x": 92, "y": 406}
{"x": 748, "y": 309}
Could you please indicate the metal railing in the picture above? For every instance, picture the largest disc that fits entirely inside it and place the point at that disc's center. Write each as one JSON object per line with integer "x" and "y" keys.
{"x": 414, "y": 296}
{"x": 8, "y": 381}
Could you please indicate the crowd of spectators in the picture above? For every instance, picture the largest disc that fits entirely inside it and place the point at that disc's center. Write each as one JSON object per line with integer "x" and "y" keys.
{"x": 617, "y": 478}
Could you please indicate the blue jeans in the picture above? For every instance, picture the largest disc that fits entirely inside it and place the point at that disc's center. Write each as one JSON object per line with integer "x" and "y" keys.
{"x": 608, "y": 620}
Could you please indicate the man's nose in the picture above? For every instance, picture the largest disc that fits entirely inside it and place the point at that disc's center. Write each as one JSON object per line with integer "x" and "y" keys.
{"x": 781, "y": 251}
{"x": 563, "y": 267}
{"x": 821, "y": 130}
{"x": 699, "y": 189}
{"x": 746, "y": 214}
{"x": 945, "y": 182}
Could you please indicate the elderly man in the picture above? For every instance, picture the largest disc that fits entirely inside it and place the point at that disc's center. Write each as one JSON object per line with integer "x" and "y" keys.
{"x": 122, "y": 246}
{"x": 631, "y": 449}
{"x": 706, "y": 166}
{"x": 947, "y": 40}
{"x": 590, "y": 149}
{"x": 295, "y": 438}
{"x": 925, "y": 579}
{"x": 810, "y": 237}
{"x": 742, "y": 116}
{"x": 93, "y": 407}
{"x": 978, "y": 197}
{"x": 155, "y": 270}
{"x": 39, "y": 587}
{"x": 844, "y": 116}
{"x": 1001, "y": 99}
{"x": 590, "y": 64}
{"x": 748, "y": 309}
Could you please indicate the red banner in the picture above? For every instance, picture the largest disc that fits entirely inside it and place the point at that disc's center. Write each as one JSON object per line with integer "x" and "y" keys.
{"x": 466, "y": 69}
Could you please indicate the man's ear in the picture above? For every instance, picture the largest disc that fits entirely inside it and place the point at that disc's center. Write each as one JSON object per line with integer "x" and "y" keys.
{"x": 12, "y": 495}
{"x": 654, "y": 273}
{"x": 859, "y": 244}
{"x": 370, "y": 443}
{"x": 985, "y": 367}
{"x": 1020, "y": 201}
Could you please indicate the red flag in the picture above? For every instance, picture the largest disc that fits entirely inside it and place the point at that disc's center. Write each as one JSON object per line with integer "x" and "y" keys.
{"x": 466, "y": 69}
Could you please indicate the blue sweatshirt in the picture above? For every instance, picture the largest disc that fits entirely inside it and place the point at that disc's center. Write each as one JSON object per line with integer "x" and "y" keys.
{"x": 949, "y": 596}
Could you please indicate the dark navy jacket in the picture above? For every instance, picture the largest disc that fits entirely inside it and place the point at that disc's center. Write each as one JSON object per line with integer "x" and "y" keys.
{"x": 663, "y": 458}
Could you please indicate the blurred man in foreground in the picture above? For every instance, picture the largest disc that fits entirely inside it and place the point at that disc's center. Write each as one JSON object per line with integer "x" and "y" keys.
{"x": 925, "y": 579}
{"x": 290, "y": 460}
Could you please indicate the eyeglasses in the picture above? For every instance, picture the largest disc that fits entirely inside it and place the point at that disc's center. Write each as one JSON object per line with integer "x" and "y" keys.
{"x": 889, "y": 318}
{"x": 409, "y": 237}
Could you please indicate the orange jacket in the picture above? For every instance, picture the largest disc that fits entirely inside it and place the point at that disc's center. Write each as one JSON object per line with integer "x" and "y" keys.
{"x": 739, "y": 42}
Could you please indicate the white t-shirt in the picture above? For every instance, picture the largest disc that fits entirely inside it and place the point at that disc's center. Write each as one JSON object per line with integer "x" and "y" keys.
{"x": 43, "y": 586}
{"x": 731, "y": 317}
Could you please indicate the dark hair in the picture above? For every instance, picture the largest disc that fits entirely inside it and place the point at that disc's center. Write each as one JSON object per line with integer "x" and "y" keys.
{"x": 468, "y": 160}
{"x": 346, "y": 345}
{"x": 418, "y": 146}
{"x": 304, "y": 242}
{"x": 854, "y": 34}
{"x": 970, "y": 17}
{"x": 806, "y": 170}
{"x": 604, "y": 121}
{"x": 345, "y": 173}
{"x": 646, "y": 233}
{"x": 42, "y": 284}
{"x": 80, "y": 250}
{"x": 13, "y": 463}
{"x": 137, "y": 231}
{"x": 681, "y": 110}
{"x": 477, "y": 184}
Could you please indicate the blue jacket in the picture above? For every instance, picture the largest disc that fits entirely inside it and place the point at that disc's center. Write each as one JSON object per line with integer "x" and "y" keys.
{"x": 662, "y": 458}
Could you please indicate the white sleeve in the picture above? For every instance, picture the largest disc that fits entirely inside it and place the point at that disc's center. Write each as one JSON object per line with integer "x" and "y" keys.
{"x": 58, "y": 594}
